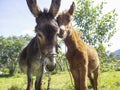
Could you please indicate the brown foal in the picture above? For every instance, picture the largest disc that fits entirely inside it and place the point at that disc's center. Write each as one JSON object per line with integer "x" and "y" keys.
{"x": 83, "y": 59}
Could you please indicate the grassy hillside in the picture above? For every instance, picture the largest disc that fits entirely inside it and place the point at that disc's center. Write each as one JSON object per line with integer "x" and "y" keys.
{"x": 60, "y": 81}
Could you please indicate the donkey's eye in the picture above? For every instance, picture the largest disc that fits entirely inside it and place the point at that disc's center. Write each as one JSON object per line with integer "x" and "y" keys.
{"x": 40, "y": 35}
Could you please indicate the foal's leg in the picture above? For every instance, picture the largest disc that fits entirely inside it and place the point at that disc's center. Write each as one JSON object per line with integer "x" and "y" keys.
{"x": 38, "y": 82}
{"x": 75, "y": 74}
{"x": 83, "y": 77}
{"x": 95, "y": 73}
{"x": 29, "y": 77}
{"x": 91, "y": 79}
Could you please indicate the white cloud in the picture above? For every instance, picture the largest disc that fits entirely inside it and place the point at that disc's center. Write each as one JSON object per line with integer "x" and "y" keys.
{"x": 29, "y": 32}
{"x": 115, "y": 42}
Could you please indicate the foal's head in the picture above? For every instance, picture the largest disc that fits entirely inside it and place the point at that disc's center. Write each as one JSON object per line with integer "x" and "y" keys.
{"x": 46, "y": 30}
{"x": 64, "y": 21}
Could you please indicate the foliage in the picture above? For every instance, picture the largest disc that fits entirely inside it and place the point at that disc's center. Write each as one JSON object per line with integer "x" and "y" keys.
{"x": 109, "y": 61}
{"x": 62, "y": 64}
{"x": 96, "y": 26}
{"x": 103, "y": 57}
{"x": 10, "y": 48}
{"x": 115, "y": 61}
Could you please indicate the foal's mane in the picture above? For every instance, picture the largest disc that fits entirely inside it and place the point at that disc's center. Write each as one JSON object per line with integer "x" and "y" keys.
{"x": 74, "y": 37}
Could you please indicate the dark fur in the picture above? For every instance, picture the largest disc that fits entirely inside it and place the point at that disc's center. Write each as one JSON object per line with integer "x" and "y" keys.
{"x": 40, "y": 52}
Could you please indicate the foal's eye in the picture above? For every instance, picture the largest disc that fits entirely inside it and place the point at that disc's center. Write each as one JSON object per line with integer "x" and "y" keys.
{"x": 68, "y": 19}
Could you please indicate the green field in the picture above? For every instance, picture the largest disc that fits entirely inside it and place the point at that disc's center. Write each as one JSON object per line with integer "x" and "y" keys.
{"x": 60, "y": 81}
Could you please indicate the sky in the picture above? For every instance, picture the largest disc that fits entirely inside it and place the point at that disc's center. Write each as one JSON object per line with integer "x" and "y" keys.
{"x": 16, "y": 19}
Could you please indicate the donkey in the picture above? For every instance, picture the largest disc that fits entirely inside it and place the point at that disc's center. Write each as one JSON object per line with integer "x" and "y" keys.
{"x": 83, "y": 59}
{"x": 41, "y": 52}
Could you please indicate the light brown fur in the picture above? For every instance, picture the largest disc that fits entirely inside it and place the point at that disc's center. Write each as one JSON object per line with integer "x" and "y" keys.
{"x": 83, "y": 59}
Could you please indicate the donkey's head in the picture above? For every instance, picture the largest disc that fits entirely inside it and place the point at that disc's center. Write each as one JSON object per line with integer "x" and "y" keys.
{"x": 64, "y": 21}
{"x": 46, "y": 30}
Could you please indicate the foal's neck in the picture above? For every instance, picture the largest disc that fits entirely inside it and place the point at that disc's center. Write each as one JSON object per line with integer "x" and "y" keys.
{"x": 73, "y": 40}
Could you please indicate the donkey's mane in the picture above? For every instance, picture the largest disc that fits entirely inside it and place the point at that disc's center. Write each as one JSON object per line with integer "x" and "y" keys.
{"x": 46, "y": 14}
{"x": 34, "y": 46}
{"x": 33, "y": 49}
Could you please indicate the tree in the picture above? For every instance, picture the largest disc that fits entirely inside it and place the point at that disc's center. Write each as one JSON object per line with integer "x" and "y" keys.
{"x": 61, "y": 59}
{"x": 9, "y": 51}
{"x": 97, "y": 27}
{"x": 104, "y": 59}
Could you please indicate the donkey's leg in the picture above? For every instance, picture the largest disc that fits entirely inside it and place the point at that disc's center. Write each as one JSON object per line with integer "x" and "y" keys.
{"x": 38, "y": 82}
{"x": 95, "y": 73}
{"x": 75, "y": 74}
{"x": 83, "y": 77}
{"x": 49, "y": 79}
{"x": 29, "y": 77}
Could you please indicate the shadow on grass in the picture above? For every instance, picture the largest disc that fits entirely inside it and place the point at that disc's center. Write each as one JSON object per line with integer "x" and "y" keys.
{"x": 5, "y": 75}
{"x": 14, "y": 88}
{"x": 90, "y": 87}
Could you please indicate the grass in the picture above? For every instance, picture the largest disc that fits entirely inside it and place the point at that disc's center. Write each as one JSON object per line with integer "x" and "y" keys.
{"x": 17, "y": 82}
{"x": 109, "y": 81}
{"x": 59, "y": 81}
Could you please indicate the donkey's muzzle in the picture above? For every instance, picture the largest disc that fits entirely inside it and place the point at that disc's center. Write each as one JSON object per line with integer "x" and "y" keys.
{"x": 50, "y": 67}
{"x": 51, "y": 62}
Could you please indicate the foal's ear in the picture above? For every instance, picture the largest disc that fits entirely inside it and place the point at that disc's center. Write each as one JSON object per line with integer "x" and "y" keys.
{"x": 72, "y": 8}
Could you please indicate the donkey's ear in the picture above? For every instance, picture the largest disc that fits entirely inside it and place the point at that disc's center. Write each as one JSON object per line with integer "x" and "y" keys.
{"x": 32, "y": 4}
{"x": 54, "y": 8}
{"x": 72, "y": 8}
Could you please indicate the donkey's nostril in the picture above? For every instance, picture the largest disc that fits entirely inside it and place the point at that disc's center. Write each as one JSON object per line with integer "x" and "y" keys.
{"x": 50, "y": 67}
